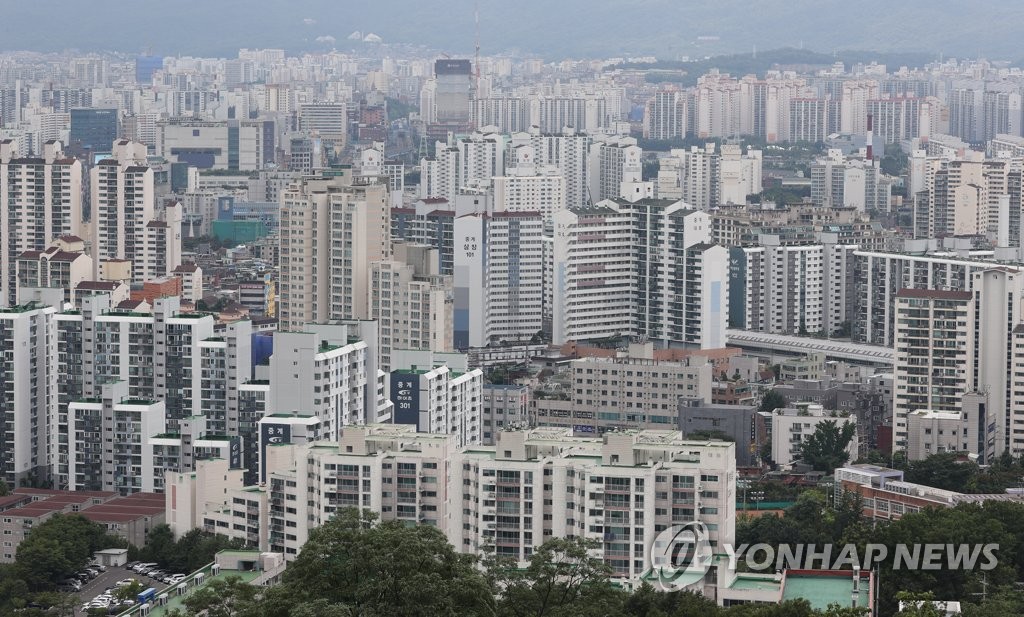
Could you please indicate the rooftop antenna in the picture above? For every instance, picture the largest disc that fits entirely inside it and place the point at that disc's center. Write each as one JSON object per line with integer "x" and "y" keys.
{"x": 476, "y": 18}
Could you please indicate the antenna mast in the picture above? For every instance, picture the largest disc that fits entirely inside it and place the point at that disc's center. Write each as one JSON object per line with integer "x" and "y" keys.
{"x": 476, "y": 18}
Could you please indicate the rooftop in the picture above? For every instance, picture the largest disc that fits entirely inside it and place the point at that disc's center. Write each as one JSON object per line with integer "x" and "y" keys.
{"x": 822, "y": 588}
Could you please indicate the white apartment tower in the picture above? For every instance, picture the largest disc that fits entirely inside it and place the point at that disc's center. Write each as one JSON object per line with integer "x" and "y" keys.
{"x": 123, "y": 202}
{"x": 499, "y": 277}
{"x": 638, "y": 269}
{"x": 412, "y": 301}
{"x": 331, "y": 231}
{"x": 933, "y": 351}
{"x": 438, "y": 393}
{"x": 319, "y": 377}
{"x": 613, "y": 161}
{"x": 43, "y": 195}
{"x": 665, "y": 115}
{"x": 568, "y": 151}
{"x": 529, "y": 187}
{"x": 28, "y": 392}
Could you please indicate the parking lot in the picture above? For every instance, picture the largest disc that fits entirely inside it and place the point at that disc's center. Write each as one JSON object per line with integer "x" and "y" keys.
{"x": 109, "y": 579}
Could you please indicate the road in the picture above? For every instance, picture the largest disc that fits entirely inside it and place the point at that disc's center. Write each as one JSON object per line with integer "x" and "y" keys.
{"x": 109, "y": 579}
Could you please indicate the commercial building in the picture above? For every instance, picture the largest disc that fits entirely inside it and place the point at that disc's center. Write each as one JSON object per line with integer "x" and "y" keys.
{"x": 244, "y": 145}
{"x": 93, "y": 129}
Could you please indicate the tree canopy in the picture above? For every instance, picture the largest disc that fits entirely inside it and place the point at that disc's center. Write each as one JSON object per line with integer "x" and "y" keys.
{"x": 826, "y": 448}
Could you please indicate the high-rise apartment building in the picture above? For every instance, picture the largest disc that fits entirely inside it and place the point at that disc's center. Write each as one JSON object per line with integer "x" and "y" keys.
{"x": 331, "y": 230}
{"x": 438, "y": 393}
{"x": 529, "y": 187}
{"x": 412, "y": 301}
{"x": 499, "y": 277}
{"x": 613, "y": 161}
{"x": 28, "y": 389}
{"x": 967, "y": 113}
{"x": 881, "y": 276}
{"x": 798, "y": 289}
{"x": 841, "y": 182}
{"x": 40, "y": 201}
{"x": 665, "y": 115}
{"x": 123, "y": 203}
{"x": 638, "y": 269}
{"x": 318, "y": 376}
{"x": 620, "y": 490}
{"x": 568, "y": 151}
{"x": 933, "y": 353}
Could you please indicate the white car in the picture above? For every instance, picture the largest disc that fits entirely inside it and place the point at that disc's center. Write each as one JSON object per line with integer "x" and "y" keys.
{"x": 125, "y": 582}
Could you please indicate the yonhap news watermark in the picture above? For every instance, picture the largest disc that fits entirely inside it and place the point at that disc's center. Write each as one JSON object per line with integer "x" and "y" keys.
{"x": 682, "y": 555}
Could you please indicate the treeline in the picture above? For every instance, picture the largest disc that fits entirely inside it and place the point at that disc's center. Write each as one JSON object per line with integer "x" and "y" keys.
{"x": 187, "y": 554}
{"x": 812, "y": 520}
{"x": 354, "y": 566}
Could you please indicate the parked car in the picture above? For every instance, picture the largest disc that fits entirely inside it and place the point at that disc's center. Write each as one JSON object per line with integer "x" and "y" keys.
{"x": 131, "y": 564}
{"x": 125, "y": 582}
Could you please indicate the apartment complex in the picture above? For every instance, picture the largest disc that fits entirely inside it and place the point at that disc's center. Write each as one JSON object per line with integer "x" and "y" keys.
{"x": 797, "y": 289}
{"x": 41, "y": 200}
{"x": 630, "y": 391}
{"x": 531, "y": 486}
{"x": 644, "y": 268}
{"x": 126, "y": 225}
{"x": 438, "y": 393}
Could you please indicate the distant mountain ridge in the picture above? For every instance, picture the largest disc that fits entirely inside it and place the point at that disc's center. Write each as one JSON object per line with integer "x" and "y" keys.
{"x": 668, "y": 29}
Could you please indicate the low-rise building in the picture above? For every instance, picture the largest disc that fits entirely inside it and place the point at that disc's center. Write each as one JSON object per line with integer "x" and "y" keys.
{"x": 130, "y": 517}
{"x": 787, "y": 428}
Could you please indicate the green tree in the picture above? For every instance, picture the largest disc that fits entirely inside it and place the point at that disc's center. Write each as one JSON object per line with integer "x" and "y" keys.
{"x": 826, "y": 448}
{"x": 129, "y": 592}
{"x": 561, "y": 580}
{"x": 4, "y": 489}
{"x": 224, "y": 597}
{"x": 381, "y": 568}
{"x": 58, "y": 547}
{"x": 918, "y": 605}
{"x": 946, "y": 471}
{"x": 772, "y": 400}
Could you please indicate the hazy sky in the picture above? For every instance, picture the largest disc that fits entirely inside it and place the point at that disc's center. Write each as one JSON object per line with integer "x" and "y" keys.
{"x": 550, "y": 28}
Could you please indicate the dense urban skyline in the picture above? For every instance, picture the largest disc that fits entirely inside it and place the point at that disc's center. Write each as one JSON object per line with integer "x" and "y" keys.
{"x": 591, "y": 295}
{"x": 693, "y": 28}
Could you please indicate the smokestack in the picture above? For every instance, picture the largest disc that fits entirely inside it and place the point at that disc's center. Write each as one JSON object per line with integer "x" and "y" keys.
{"x": 871, "y": 137}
